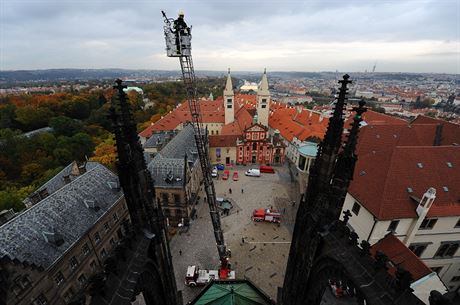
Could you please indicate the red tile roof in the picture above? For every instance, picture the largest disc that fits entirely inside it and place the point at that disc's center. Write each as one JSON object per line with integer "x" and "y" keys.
{"x": 299, "y": 123}
{"x": 291, "y": 123}
{"x": 376, "y": 118}
{"x": 223, "y": 141}
{"x": 211, "y": 112}
{"x": 401, "y": 256}
{"x": 450, "y": 131}
{"x": 382, "y": 178}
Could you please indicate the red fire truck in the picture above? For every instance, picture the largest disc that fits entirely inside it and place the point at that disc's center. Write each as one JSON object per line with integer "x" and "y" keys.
{"x": 199, "y": 277}
{"x": 266, "y": 215}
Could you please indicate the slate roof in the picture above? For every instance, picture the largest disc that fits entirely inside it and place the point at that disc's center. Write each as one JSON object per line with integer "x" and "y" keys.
{"x": 170, "y": 160}
{"x": 158, "y": 139}
{"x": 57, "y": 181}
{"x": 22, "y": 237}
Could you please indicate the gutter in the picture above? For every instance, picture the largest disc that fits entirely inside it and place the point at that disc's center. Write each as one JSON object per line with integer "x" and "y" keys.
{"x": 372, "y": 230}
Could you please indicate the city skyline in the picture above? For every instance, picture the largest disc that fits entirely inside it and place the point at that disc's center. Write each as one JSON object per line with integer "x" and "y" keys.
{"x": 397, "y": 36}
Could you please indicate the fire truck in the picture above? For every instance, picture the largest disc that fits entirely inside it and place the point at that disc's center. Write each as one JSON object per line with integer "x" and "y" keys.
{"x": 200, "y": 277}
{"x": 266, "y": 215}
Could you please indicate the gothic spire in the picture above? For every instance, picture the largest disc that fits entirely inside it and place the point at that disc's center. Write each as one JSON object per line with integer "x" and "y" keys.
{"x": 323, "y": 166}
{"x": 145, "y": 212}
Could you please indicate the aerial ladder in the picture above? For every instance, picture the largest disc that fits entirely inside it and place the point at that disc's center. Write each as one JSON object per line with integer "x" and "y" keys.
{"x": 178, "y": 44}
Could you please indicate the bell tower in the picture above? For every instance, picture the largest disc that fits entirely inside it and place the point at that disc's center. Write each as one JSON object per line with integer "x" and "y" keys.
{"x": 263, "y": 100}
{"x": 229, "y": 100}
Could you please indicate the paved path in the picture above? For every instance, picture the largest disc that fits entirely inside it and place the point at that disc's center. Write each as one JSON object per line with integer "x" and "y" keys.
{"x": 263, "y": 256}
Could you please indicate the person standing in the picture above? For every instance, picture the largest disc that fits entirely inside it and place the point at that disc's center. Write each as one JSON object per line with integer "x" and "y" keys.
{"x": 180, "y": 28}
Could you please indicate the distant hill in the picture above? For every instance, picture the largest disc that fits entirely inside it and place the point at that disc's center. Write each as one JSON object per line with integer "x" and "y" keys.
{"x": 74, "y": 75}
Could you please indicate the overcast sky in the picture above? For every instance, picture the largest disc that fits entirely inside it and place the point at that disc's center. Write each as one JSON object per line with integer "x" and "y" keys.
{"x": 344, "y": 35}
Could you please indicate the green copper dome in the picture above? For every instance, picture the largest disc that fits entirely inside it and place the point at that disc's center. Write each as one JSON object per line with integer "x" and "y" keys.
{"x": 238, "y": 292}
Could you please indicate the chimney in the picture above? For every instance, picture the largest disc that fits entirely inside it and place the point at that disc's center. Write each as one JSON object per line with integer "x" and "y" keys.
{"x": 438, "y": 135}
{"x": 66, "y": 179}
{"x": 82, "y": 169}
{"x": 422, "y": 209}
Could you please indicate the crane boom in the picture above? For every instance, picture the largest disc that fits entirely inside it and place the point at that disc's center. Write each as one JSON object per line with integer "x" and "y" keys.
{"x": 183, "y": 52}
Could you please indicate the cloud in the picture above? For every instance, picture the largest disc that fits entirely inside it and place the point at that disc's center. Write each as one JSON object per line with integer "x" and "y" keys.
{"x": 249, "y": 34}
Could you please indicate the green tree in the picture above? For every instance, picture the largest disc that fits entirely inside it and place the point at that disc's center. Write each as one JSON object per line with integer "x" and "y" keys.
{"x": 9, "y": 200}
{"x": 78, "y": 108}
{"x": 65, "y": 126}
{"x": 7, "y": 115}
{"x": 32, "y": 118}
{"x": 62, "y": 155}
{"x": 30, "y": 172}
{"x": 82, "y": 146}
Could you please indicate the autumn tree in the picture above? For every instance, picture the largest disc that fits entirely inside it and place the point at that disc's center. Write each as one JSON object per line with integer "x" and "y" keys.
{"x": 106, "y": 153}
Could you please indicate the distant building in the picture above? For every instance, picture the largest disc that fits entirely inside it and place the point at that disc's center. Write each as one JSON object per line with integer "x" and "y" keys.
{"x": 50, "y": 251}
{"x": 177, "y": 176}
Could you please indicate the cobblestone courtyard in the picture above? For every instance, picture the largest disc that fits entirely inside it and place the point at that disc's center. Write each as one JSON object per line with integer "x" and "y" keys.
{"x": 263, "y": 256}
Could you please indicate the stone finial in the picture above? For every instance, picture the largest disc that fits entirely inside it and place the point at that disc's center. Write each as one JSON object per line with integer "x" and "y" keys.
{"x": 346, "y": 216}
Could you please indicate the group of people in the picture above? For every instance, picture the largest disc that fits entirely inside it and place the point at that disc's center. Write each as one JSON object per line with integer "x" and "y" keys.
{"x": 340, "y": 289}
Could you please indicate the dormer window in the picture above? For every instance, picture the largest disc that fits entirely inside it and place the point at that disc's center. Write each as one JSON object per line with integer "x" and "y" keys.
{"x": 445, "y": 188}
{"x": 53, "y": 237}
{"x": 410, "y": 190}
{"x": 113, "y": 185}
{"x": 449, "y": 164}
{"x": 91, "y": 204}
{"x": 419, "y": 165}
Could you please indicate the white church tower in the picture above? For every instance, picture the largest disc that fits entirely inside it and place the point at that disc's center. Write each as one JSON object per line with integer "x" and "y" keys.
{"x": 263, "y": 100}
{"x": 229, "y": 100}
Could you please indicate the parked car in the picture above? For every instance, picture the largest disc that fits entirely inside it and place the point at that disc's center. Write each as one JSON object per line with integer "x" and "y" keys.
{"x": 266, "y": 169}
{"x": 235, "y": 176}
{"x": 253, "y": 172}
{"x": 226, "y": 174}
{"x": 214, "y": 172}
{"x": 220, "y": 167}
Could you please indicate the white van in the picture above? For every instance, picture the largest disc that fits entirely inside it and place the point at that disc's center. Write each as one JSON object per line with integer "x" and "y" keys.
{"x": 253, "y": 172}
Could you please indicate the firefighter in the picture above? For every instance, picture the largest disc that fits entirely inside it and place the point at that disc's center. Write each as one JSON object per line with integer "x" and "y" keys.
{"x": 180, "y": 28}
